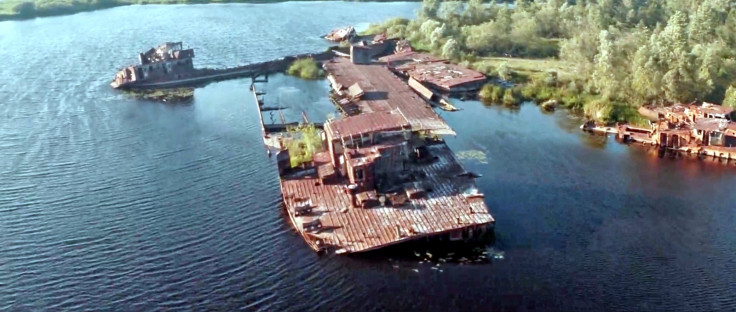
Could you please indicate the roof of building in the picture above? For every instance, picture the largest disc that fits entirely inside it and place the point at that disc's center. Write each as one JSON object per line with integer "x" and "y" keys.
{"x": 710, "y": 124}
{"x": 383, "y": 91}
{"x": 366, "y": 123}
{"x": 410, "y": 56}
{"x": 715, "y": 109}
{"x": 444, "y": 75}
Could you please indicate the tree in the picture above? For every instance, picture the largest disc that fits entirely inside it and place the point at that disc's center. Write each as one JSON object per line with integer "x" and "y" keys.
{"x": 451, "y": 50}
{"x": 645, "y": 80}
{"x": 429, "y": 9}
{"x": 701, "y": 26}
{"x": 730, "y": 99}
{"x": 604, "y": 78}
{"x": 25, "y": 9}
{"x": 475, "y": 12}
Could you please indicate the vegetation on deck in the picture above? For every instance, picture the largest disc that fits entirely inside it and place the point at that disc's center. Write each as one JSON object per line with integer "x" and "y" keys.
{"x": 302, "y": 143}
{"x": 306, "y": 68}
{"x": 603, "y": 58}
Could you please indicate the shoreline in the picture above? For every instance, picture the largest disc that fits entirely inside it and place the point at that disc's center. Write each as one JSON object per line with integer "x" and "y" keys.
{"x": 27, "y": 10}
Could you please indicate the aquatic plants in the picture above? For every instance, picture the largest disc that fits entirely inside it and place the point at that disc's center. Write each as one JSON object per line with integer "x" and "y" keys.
{"x": 305, "y": 68}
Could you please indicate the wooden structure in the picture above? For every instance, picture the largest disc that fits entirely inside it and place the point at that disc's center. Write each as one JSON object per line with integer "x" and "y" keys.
{"x": 704, "y": 129}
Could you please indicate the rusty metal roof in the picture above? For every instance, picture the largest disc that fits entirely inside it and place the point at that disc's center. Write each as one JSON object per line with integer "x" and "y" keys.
{"x": 366, "y": 123}
{"x": 710, "y": 124}
{"x": 410, "y": 56}
{"x": 430, "y": 69}
{"x": 444, "y": 75}
{"x": 451, "y": 202}
{"x": 709, "y": 108}
{"x": 384, "y": 91}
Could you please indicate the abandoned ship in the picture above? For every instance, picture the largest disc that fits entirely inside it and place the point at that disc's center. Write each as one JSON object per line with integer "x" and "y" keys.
{"x": 170, "y": 66}
{"x": 703, "y": 129}
{"x": 379, "y": 174}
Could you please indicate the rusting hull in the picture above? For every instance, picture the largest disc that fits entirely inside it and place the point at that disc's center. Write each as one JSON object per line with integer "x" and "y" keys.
{"x": 206, "y": 78}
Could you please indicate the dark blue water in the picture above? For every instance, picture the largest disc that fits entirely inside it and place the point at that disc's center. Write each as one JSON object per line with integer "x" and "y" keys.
{"x": 108, "y": 202}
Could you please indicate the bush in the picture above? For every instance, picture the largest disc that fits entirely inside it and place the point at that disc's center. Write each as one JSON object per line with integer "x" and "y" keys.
{"x": 484, "y": 67}
{"x": 25, "y": 9}
{"x": 599, "y": 109}
{"x": 305, "y": 69}
{"x": 304, "y": 141}
{"x": 509, "y": 99}
{"x": 491, "y": 93}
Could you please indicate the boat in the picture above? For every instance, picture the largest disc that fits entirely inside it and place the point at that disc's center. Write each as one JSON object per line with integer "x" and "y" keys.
{"x": 341, "y": 34}
{"x": 170, "y": 65}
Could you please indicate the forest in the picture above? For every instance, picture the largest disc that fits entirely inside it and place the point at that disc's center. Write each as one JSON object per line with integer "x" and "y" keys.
{"x": 609, "y": 56}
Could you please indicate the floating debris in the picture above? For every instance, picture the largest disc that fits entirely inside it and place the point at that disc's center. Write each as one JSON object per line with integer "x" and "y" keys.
{"x": 167, "y": 95}
{"x": 415, "y": 270}
{"x": 429, "y": 255}
{"x": 476, "y": 155}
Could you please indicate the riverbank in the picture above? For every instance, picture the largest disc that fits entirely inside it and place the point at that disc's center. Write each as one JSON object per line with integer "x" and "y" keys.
{"x": 21, "y": 10}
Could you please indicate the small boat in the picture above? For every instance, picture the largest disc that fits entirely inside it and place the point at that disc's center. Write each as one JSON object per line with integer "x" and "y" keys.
{"x": 341, "y": 34}
{"x": 445, "y": 104}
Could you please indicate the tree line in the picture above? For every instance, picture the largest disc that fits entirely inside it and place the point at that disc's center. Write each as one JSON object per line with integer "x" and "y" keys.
{"x": 625, "y": 52}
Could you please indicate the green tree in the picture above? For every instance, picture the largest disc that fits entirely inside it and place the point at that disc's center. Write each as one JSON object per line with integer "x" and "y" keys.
{"x": 429, "y": 9}
{"x": 604, "y": 79}
{"x": 730, "y": 99}
{"x": 451, "y": 50}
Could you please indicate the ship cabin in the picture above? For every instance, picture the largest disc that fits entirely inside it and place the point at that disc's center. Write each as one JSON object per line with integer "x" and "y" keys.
{"x": 168, "y": 60}
{"x": 710, "y": 110}
{"x": 714, "y": 132}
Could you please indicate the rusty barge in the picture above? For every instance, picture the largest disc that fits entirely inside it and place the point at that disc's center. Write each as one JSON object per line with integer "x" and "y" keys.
{"x": 170, "y": 66}
{"x": 704, "y": 129}
{"x": 379, "y": 174}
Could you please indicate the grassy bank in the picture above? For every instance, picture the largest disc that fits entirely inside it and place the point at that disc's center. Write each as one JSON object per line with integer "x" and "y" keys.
{"x": 26, "y": 9}
{"x": 549, "y": 80}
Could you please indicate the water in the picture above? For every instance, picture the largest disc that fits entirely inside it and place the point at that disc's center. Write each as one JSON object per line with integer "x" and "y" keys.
{"x": 113, "y": 203}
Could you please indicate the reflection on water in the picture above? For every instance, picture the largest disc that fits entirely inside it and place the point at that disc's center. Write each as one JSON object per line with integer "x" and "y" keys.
{"x": 109, "y": 202}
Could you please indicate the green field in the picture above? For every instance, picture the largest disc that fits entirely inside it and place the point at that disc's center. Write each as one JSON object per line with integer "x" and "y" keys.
{"x": 531, "y": 67}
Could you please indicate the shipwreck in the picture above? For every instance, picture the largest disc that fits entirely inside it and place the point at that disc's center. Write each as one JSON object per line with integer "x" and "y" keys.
{"x": 379, "y": 174}
{"x": 703, "y": 129}
{"x": 171, "y": 66}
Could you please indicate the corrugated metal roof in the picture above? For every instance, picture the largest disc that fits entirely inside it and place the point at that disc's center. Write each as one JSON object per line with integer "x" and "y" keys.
{"x": 386, "y": 92}
{"x": 451, "y": 202}
{"x": 366, "y": 123}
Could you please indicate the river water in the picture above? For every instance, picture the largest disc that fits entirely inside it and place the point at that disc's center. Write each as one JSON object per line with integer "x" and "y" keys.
{"x": 108, "y": 202}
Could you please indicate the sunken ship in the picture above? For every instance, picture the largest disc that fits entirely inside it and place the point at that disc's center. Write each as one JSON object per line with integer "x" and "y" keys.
{"x": 170, "y": 66}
